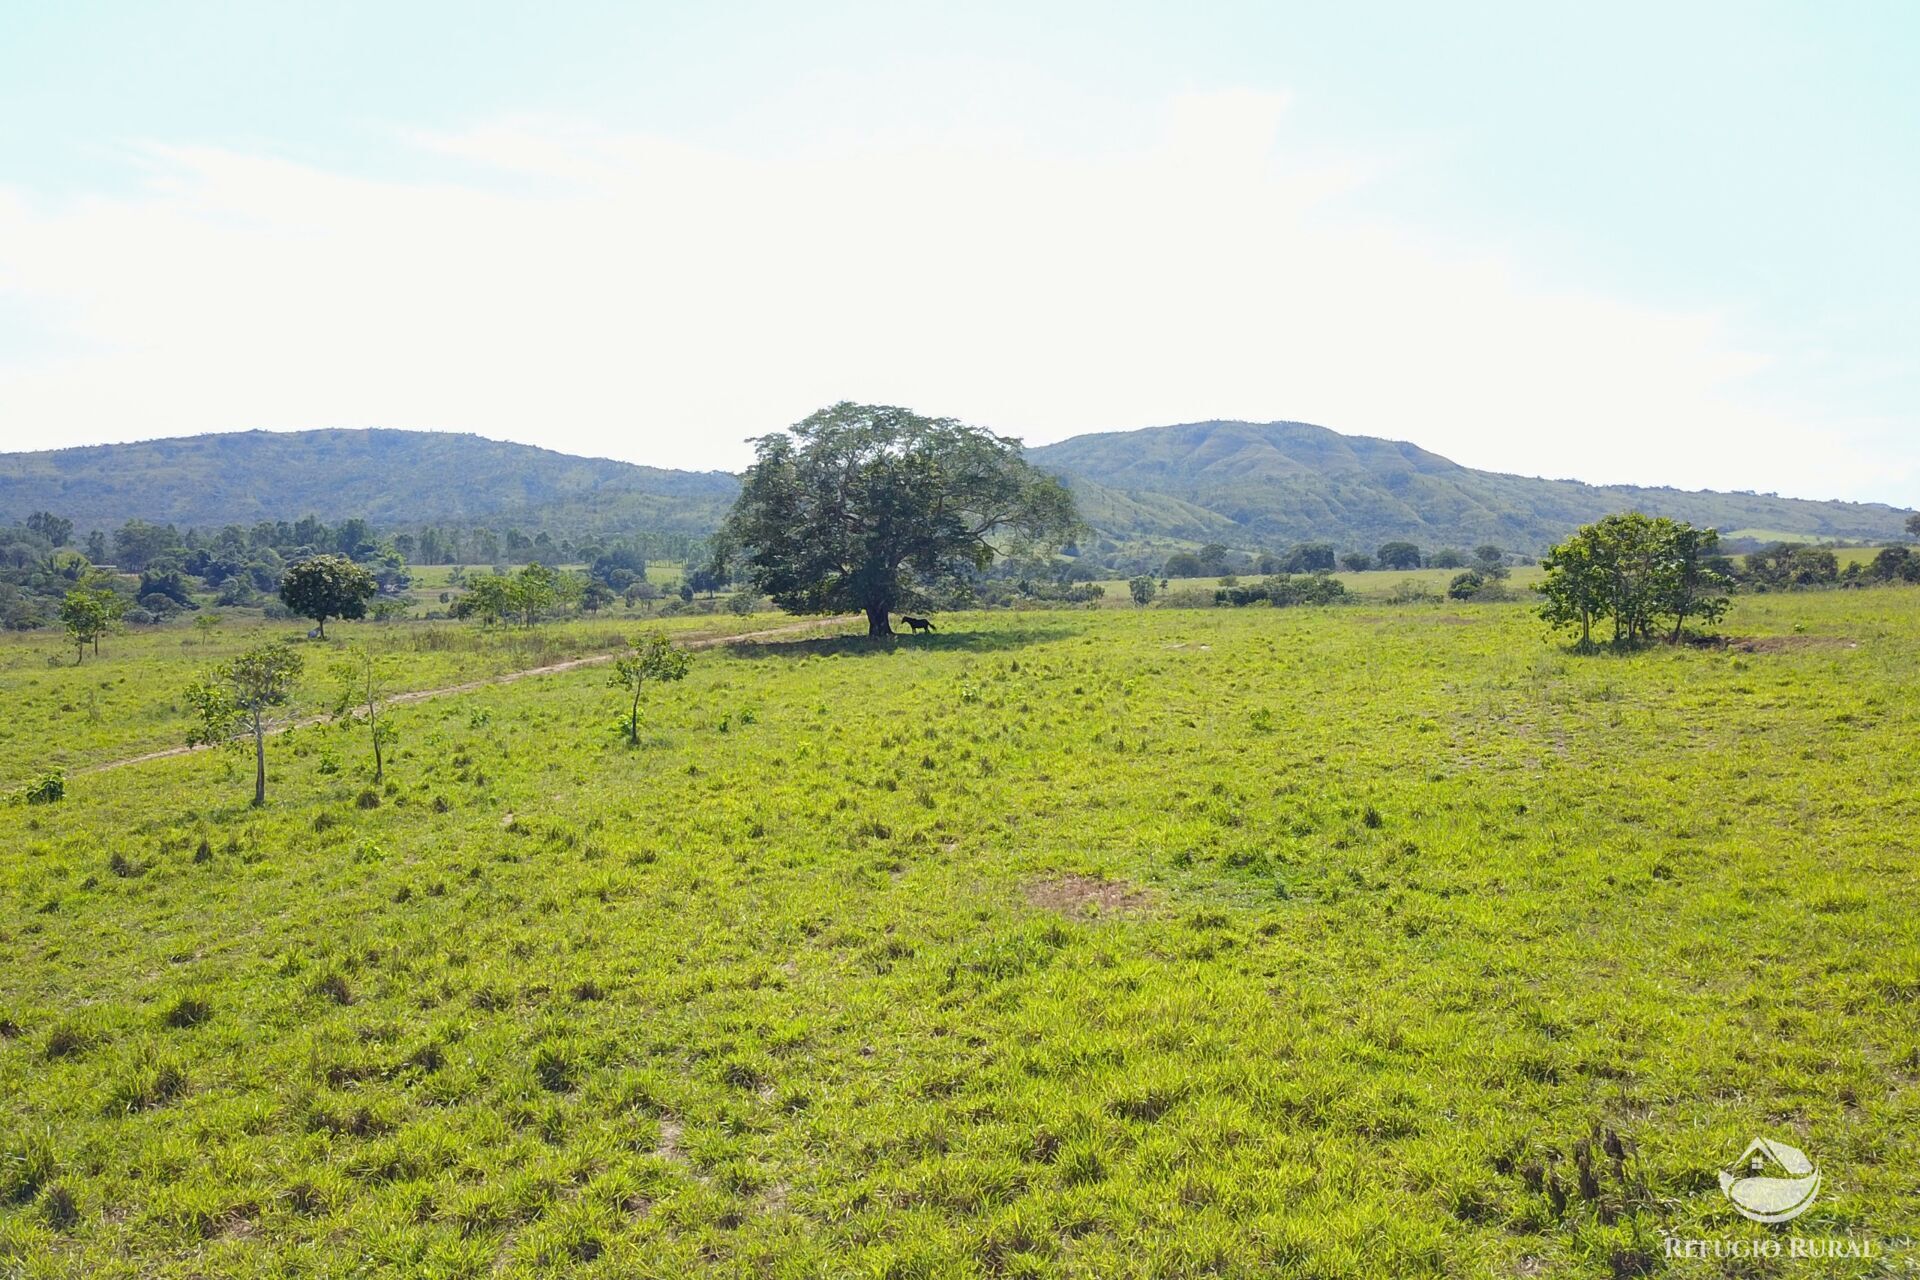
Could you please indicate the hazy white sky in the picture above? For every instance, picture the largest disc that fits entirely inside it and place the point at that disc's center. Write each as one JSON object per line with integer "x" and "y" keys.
{"x": 1003, "y": 227}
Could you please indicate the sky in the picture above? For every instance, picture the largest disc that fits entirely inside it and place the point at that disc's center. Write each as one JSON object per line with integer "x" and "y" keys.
{"x": 1648, "y": 243}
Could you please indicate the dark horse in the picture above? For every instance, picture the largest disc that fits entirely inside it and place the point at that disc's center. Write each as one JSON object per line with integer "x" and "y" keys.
{"x": 918, "y": 624}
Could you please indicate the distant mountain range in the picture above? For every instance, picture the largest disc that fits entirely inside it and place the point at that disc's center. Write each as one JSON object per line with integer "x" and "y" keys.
{"x": 1251, "y": 485}
{"x": 391, "y": 478}
{"x": 1272, "y": 484}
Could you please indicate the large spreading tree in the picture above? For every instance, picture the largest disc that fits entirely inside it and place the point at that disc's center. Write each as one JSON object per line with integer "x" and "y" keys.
{"x": 322, "y": 587}
{"x": 876, "y": 509}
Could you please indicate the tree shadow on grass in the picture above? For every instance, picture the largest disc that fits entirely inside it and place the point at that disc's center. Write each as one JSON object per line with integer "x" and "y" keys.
{"x": 997, "y": 640}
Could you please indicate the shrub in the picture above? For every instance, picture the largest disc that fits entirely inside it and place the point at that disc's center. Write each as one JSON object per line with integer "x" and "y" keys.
{"x": 1281, "y": 591}
{"x": 49, "y": 788}
{"x": 1466, "y": 586}
{"x": 1408, "y": 591}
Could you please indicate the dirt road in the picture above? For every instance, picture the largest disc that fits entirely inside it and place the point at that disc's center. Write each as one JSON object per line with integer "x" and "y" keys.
{"x": 507, "y": 677}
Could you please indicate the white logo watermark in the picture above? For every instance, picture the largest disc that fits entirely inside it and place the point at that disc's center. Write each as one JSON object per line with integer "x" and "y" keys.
{"x": 1771, "y": 1181}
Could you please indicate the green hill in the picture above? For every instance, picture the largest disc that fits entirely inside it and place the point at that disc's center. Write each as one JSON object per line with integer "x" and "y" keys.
{"x": 1246, "y": 484}
{"x": 1276, "y": 483}
{"x": 391, "y": 478}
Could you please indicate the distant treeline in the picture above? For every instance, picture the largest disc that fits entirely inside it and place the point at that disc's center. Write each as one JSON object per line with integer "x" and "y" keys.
{"x": 157, "y": 569}
{"x": 1216, "y": 559}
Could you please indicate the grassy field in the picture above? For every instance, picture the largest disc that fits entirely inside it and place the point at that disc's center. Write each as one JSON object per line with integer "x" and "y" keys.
{"x": 1258, "y": 942}
{"x": 128, "y": 700}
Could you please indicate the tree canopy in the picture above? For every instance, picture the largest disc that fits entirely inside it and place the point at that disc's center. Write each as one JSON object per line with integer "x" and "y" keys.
{"x": 323, "y": 587}
{"x": 1398, "y": 555}
{"x": 241, "y": 696}
{"x": 1635, "y": 570}
{"x": 652, "y": 659}
{"x": 876, "y": 508}
{"x": 89, "y": 611}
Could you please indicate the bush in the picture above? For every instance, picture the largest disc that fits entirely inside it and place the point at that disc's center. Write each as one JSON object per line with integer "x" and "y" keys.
{"x": 1312, "y": 588}
{"x": 1409, "y": 591}
{"x": 1281, "y": 591}
{"x": 1895, "y": 564}
{"x": 1465, "y": 586}
{"x": 48, "y": 788}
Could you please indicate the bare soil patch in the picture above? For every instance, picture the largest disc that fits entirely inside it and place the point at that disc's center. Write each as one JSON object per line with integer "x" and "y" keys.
{"x": 1075, "y": 894}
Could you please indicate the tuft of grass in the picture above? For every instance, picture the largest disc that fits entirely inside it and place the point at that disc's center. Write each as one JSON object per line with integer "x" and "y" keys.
{"x": 333, "y": 986}
{"x": 27, "y": 1163}
{"x": 57, "y": 1206}
{"x": 146, "y": 1076}
{"x": 187, "y": 1011}
{"x": 73, "y": 1037}
{"x": 558, "y": 1064}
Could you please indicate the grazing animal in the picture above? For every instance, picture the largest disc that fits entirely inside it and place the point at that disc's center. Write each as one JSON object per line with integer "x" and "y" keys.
{"x": 918, "y": 624}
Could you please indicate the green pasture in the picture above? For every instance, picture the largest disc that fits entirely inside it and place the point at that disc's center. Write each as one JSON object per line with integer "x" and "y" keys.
{"x": 128, "y": 700}
{"x": 1347, "y": 942}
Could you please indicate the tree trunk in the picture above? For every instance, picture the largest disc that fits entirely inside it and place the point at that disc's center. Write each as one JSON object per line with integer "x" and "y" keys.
{"x": 323, "y": 628}
{"x": 877, "y": 624}
{"x": 259, "y": 763}
{"x": 633, "y": 720}
{"x": 373, "y": 723}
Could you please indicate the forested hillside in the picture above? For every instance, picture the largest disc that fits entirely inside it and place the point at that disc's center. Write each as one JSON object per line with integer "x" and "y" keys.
{"x": 1246, "y": 485}
{"x": 1277, "y": 483}
{"x": 391, "y": 478}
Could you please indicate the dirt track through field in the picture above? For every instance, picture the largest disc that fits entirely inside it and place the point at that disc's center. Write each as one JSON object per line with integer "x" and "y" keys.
{"x": 505, "y": 677}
